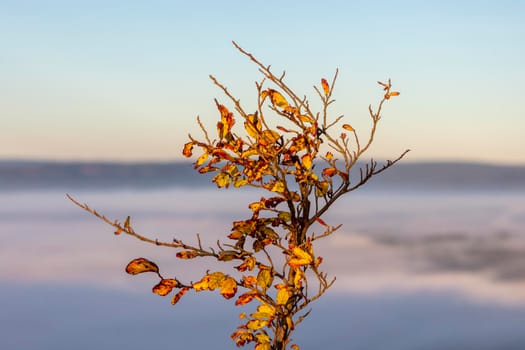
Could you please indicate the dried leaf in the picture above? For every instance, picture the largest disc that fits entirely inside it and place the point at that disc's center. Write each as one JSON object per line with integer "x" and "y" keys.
{"x": 282, "y": 296}
{"x": 326, "y": 87}
{"x": 256, "y": 324}
{"x": 245, "y": 298}
{"x": 187, "y": 254}
{"x": 228, "y": 288}
{"x": 329, "y": 172}
{"x": 141, "y": 265}
{"x": 179, "y": 295}
{"x": 277, "y": 99}
{"x": 306, "y": 118}
{"x": 187, "y": 150}
{"x": 307, "y": 161}
{"x": 264, "y": 278}
{"x": 278, "y": 187}
{"x": 348, "y": 127}
{"x": 165, "y": 286}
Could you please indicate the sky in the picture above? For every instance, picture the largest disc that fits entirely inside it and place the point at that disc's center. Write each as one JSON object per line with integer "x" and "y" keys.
{"x": 125, "y": 80}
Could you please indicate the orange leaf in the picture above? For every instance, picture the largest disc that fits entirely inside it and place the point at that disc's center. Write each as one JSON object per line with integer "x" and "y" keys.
{"x": 229, "y": 288}
{"x": 245, "y": 298}
{"x": 179, "y": 295}
{"x": 329, "y": 155}
{"x": 141, "y": 265}
{"x": 165, "y": 286}
{"x": 329, "y": 172}
{"x": 348, "y": 127}
{"x": 393, "y": 93}
{"x": 326, "y": 88}
{"x": 188, "y": 147}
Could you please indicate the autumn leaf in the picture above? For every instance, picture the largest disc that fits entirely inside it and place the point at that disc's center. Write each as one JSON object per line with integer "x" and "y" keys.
{"x": 179, "y": 295}
{"x": 307, "y": 161}
{"x": 300, "y": 258}
{"x": 269, "y": 137}
{"x": 278, "y": 187}
{"x": 141, "y": 265}
{"x": 165, "y": 286}
{"x": 264, "y": 312}
{"x": 264, "y": 278}
{"x": 348, "y": 127}
{"x": 228, "y": 288}
{"x": 256, "y": 324}
{"x": 245, "y": 298}
{"x": 187, "y": 150}
{"x": 277, "y": 99}
{"x": 187, "y": 254}
{"x": 306, "y": 118}
{"x": 329, "y": 172}
{"x": 282, "y": 296}
{"x": 201, "y": 159}
{"x": 326, "y": 88}
{"x": 392, "y": 93}
{"x": 222, "y": 180}
{"x": 247, "y": 264}
{"x": 321, "y": 221}
{"x": 329, "y": 155}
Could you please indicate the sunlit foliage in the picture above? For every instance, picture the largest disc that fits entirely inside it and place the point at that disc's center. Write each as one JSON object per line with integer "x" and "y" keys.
{"x": 302, "y": 160}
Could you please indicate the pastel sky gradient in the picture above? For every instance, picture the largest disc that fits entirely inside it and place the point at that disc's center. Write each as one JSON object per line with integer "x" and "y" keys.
{"x": 125, "y": 80}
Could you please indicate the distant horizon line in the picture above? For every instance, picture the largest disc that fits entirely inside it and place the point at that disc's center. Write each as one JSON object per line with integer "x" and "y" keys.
{"x": 181, "y": 160}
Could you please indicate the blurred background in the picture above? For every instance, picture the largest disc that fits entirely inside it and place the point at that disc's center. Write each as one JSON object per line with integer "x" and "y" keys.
{"x": 97, "y": 99}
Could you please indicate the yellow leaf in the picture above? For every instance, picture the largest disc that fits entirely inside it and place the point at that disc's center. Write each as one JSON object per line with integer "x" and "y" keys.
{"x": 298, "y": 278}
{"x": 264, "y": 278}
{"x": 307, "y": 161}
{"x": 179, "y": 295}
{"x": 326, "y": 88}
{"x": 201, "y": 159}
{"x": 141, "y": 265}
{"x": 216, "y": 280}
{"x": 188, "y": 147}
{"x": 256, "y": 206}
{"x": 284, "y": 216}
{"x": 282, "y": 296}
{"x": 222, "y": 180}
{"x": 277, "y": 99}
{"x": 251, "y": 130}
{"x": 203, "y": 284}
{"x": 265, "y": 308}
{"x": 262, "y": 338}
{"x": 269, "y": 137}
{"x": 306, "y": 119}
{"x": 165, "y": 286}
{"x": 300, "y": 258}
{"x": 229, "y": 288}
{"x": 348, "y": 127}
{"x": 329, "y": 155}
{"x": 263, "y": 346}
{"x": 278, "y": 187}
{"x": 256, "y": 324}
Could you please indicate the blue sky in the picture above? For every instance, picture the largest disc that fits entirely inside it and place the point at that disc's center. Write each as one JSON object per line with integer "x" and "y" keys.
{"x": 125, "y": 80}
